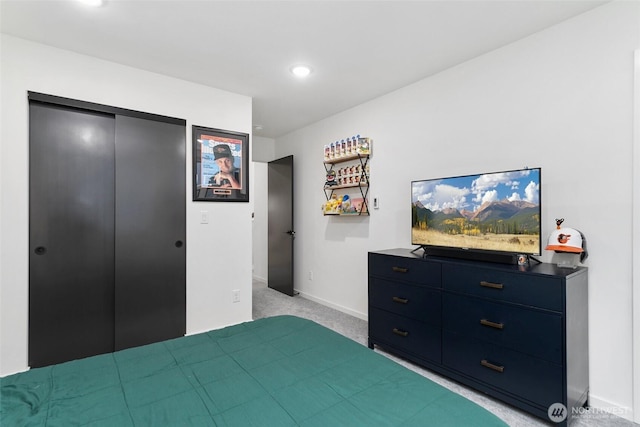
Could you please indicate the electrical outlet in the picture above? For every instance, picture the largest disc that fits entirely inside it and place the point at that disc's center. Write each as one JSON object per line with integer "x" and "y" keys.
{"x": 310, "y": 275}
{"x": 235, "y": 295}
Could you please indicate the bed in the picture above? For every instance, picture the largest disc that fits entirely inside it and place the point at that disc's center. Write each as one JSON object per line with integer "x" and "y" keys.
{"x": 277, "y": 371}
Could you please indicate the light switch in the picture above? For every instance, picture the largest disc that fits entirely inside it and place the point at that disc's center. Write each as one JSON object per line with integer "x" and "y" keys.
{"x": 204, "y": 217}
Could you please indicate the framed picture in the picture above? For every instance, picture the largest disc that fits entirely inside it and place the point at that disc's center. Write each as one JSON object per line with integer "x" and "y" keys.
{"x": 220, "y": 165}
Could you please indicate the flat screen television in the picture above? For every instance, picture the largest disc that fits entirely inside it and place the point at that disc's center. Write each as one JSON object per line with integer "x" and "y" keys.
{"x": 489, "y": 216}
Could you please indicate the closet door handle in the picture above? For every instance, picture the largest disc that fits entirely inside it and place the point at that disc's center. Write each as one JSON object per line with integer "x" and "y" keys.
{"x": 179, "y": 243}
{"x": 40, "y": 250}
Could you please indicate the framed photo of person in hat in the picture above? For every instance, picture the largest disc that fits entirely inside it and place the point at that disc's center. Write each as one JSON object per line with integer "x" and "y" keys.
{"x": 220, "y": 165}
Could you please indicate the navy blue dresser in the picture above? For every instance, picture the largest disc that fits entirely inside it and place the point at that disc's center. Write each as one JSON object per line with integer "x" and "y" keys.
{"x": 519, "y": 334}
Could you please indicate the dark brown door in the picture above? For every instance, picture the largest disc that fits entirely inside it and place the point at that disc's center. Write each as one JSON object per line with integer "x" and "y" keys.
{"x": 281, "y": 234}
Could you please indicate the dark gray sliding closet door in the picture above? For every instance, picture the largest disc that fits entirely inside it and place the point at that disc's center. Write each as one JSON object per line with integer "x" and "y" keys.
{"x": 150, "y": 231}
{"x": 107, "y": 240}
{"x": 71, "y": 234}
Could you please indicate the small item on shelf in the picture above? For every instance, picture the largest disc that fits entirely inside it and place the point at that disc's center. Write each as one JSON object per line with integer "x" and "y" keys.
{"x": 359, "y": 205}
{"x": 355, "y": 206}
{"x": 331, "y": 178}
{"x": 363, "y": 146}
{"x": 365, "y": 175}
{"x": 327, "y": 152}
{"x": 333, "y": 206}
{"x": 345, "y": 205}
{"x": 332, "y": 151}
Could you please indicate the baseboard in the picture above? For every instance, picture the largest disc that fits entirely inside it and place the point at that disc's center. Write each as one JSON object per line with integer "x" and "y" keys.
{"x": 599, "y": 406}
{"x": 324, "y": 302}
{"x": 260, "y": 279}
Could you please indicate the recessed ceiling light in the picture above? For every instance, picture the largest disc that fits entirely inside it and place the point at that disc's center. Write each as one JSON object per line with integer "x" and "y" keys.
{"x": 94, "y": 3}
{"x": 300, "y": 70}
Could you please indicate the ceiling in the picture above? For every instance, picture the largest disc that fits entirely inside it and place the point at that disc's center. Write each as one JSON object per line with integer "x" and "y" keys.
{"x": 358, "y": 50}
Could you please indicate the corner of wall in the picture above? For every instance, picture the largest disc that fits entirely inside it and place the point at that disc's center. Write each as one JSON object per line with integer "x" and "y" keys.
{"x": 635, "y": 268}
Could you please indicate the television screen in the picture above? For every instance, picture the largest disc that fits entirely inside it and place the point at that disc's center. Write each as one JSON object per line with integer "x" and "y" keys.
{"x": 494, "y": 212}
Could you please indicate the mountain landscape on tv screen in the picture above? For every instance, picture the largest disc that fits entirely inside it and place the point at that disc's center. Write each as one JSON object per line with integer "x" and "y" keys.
{"x": 501, "y": 217}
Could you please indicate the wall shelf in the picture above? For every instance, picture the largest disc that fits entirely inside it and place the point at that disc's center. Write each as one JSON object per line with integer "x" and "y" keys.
{"x": 348, "y": 176}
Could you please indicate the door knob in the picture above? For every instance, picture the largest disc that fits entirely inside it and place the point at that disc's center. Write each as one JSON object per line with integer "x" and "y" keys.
{"x": 291, "y": 233}
{"x": 40, "y": 250}
{"x": 179, "y": 243}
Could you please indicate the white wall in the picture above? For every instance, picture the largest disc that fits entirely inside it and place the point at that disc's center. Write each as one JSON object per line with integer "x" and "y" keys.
{"x": 562, "y": 100}
{"x": 211, "y": 274}
{"x": 260, "y": 223}
{"x": 263, "y": 152}
{"x": 636, "y": 239}
{"x": 263, "y": 149}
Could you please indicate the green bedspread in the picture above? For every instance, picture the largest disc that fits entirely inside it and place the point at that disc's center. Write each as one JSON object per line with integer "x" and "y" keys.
{"x": 279, "y": 371}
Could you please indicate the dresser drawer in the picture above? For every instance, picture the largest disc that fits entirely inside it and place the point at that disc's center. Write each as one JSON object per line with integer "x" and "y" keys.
{"x": 417, "y": 302}
{"x": 533, "y": 332}
{"x": 527, "y": 289}
{"x": 405, "y": 269}
{"x": 523, "y": 376}
{"x": 405, "y": 334}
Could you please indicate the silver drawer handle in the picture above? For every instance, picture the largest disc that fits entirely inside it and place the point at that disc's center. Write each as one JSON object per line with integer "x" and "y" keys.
{"x": 400, "y": 300}
{"x": 400, "y": 269}
{"x": 490, "y": 365}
